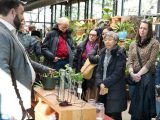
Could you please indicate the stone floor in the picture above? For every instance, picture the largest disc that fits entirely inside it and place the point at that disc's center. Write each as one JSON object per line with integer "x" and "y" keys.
{"x": 125, "y": 114}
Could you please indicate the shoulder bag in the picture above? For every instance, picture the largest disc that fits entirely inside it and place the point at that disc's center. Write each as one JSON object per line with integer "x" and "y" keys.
{"x": 87, "y": 69}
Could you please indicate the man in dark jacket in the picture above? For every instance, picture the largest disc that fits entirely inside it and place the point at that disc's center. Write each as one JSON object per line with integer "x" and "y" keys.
{"x": 58, "y": 47}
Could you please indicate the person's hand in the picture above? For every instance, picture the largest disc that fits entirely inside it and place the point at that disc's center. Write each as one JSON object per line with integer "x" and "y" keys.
{"x": 56, "y": 59}
{"x": 50, "y": 70}
{"x": 102, "y": 86}
{"x": 103, "y": 89}
{"x": 136, "y": 77}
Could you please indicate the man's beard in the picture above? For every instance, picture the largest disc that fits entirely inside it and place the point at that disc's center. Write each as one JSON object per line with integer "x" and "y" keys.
{"x": 17, "y": 22}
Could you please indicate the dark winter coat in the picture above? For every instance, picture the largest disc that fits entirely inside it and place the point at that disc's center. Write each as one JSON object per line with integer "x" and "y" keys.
{"x": 78, "y": 61}
{"x": 49, "y": 46}
{"x": 31, "y": 44}
{"x": 116, "y": 100}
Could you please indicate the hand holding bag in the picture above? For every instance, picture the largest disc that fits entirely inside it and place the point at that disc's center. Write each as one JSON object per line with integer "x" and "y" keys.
{"x": 87, "y": 69}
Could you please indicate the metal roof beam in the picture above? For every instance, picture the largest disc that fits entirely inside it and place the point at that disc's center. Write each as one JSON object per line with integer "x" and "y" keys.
{"x": 41, "y": 3}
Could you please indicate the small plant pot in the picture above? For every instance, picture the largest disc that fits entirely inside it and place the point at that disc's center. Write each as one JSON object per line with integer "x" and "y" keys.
{"x": 49, "y": 83}
{"x": 122, "y": 35}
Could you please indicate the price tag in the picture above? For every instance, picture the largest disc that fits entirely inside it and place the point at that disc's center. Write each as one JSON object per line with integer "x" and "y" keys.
{"x": 79, "y": 90}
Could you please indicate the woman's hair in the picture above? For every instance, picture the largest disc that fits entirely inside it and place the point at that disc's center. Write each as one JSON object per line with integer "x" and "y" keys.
{"x": 149, "y": 34}
{"x": 112, "y": 34}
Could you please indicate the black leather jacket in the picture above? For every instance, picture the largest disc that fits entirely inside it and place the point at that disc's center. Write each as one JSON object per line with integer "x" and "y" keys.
{"x": 49, "y": 46}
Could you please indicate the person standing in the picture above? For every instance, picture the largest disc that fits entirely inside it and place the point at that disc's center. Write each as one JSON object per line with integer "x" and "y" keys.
{"x": 157, "y": 83}
{"x": 81, "y": 55}
{"x": 31, "y": 43}
{"x": 16, "y": 71}
{"x": 93, "y": 57}
{"x": 142, "y": 105}
{"x": 58, "y": 47}
{"x": 110, "y": 76}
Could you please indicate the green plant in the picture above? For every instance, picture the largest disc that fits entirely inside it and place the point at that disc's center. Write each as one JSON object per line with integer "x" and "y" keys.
{"x": 77, "y": 77}
{"x": 135, "y": 20}
{"x": 127, "y": 43}
{"x": 124, "y": 26}
{"x": 51, "y": 75}
{"x": 107, "y": 13}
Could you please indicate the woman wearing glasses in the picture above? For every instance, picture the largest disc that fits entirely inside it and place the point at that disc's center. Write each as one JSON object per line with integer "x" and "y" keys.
{"x": 143, "y": 95}
{"x": 82, "y": 52}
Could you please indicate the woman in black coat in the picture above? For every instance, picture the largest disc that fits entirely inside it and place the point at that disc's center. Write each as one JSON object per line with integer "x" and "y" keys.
{"x": 110, "y": 77}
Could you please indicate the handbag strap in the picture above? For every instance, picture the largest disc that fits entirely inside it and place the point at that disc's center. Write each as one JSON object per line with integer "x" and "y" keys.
{"x": 139, "y": 58}
{"x": 24, "y": 112}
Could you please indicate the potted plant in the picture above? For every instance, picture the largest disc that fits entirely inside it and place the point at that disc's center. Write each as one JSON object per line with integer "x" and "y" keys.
{"x": 122, "y": 28}
{"x": 49, "y": 80}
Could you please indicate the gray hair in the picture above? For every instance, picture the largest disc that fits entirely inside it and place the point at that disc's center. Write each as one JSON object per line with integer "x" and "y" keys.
{"x": 112, "y": 34}
{"x": 63, "y": 20}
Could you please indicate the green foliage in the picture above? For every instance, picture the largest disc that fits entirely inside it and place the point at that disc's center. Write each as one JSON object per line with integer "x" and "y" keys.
{"x": 77, "y": 77}
{"x": 51, "y": 75}
{"x": 83, "y": 26}
{"x": 127, "y": 43}
{"x": 125, "y": 26}
{"x": 38, "y": 84}
{"x": 107, "y": 13}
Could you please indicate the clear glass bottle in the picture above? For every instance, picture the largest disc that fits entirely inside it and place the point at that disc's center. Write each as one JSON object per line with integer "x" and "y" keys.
{"x": 61, "y": 90}
{"x": 99, "y": 111}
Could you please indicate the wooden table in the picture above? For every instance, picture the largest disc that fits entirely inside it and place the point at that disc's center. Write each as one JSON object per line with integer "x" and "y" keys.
{"x": 78, "y": 111}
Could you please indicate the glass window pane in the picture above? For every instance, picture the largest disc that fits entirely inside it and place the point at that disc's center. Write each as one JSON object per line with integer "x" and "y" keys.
{"x": 98, "y": 5}
{"x": 41, "y": 14}
{"x": 63, "y": 10}
{"x": 149, "y": 7}
{"x": 74, "y": 11}
{"x": 119, "y": 7}
{"x": 58, "y": 10}
{"x": 48, "y": 14}
{"x": 31, "y": 15}
{"x": 130, "y": 7}
{"x": 82, "y": 8}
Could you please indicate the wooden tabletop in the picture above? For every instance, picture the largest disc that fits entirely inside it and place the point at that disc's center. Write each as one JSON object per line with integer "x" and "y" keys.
{"x": 80, "y": 110}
